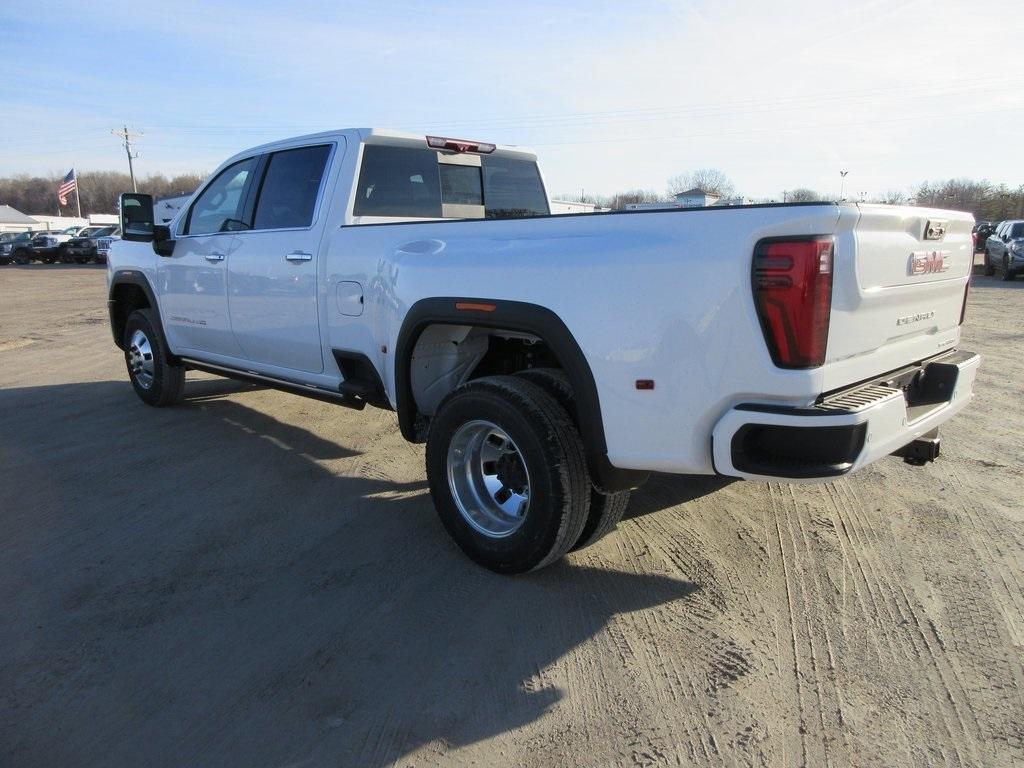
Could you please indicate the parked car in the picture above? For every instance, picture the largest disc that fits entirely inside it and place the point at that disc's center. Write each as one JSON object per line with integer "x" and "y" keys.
{"x": 550, "y": 362}
{"x": 48, "y": 247}
{"x": 1004, "y": 249}
{"x": 81, "y": 248}
{"x": 982, "y": 230}
{"x": 103, "y": 245}
{"x": 19, "y": 248}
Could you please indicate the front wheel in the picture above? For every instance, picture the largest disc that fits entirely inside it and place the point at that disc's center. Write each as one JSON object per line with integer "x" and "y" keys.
{"x": 507, "y": 474}
{"x": 990, "y": 268}
{"x": 156, "y": 380}
{"x": 22, "y": 258}
{"x": 1007, "y": 272}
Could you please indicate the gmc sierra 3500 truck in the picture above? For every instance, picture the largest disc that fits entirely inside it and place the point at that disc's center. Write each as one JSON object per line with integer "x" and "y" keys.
{"x": 550, "y": 362}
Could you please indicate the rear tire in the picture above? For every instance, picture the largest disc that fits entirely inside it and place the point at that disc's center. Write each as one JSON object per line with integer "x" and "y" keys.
{"x": 606, "y": 509}
{"x": 22, "y": 258}
{"x": 507, "y": 474}
{"x": 156, "y": 380}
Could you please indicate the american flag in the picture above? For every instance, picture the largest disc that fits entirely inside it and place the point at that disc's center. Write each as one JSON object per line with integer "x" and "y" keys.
{"x": 69, "y": 185}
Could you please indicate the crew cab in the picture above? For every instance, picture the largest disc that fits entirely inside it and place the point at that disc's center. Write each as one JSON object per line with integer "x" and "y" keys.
{"x": 550, "y": 363}
{"x": 81, "y": 248}
{"x": 48, "y": 247}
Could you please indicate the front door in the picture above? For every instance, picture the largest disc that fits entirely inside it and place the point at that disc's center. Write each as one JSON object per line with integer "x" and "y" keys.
{"x": 193, "y": 281}
{"x": 272, "y": 274}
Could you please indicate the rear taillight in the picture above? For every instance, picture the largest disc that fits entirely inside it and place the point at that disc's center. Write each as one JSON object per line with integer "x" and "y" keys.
{"x": 793, "y": 295}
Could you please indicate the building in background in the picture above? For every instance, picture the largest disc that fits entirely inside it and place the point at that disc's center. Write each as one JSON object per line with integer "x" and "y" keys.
{"x": 691, "y": 198}
{"x": 12, "y": 220}
{"x": 566, "y": 206}
{"x": 45, "y": 221}
{"x": 167, "y": 208}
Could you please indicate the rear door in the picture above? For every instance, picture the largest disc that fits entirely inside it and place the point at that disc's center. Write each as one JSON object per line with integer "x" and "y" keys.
{"x": 272, "y": 274}
{"x": 193, "y": 281}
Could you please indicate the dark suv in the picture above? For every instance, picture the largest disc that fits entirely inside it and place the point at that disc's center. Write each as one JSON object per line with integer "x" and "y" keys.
{"x": 1004, "y": 249}
{"x": 18, "y": 248}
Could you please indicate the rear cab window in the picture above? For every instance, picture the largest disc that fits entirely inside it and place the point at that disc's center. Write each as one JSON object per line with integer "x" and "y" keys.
{"x": 407, "y": 182}
{"x": 290, "y": 188}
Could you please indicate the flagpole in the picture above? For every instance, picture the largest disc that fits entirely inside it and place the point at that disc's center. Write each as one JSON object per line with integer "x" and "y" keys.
{"x": 78, "y": 198}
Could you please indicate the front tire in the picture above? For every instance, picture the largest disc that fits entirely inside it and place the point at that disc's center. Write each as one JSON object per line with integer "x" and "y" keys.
{"x": 606, "y": 509}
{"x": 22, "y": 258}
{"x": 507, "y": 474}
{"x": 156, "y": 380}
{"x": 1007, "y": 272}
{"x": 990, "y": 268}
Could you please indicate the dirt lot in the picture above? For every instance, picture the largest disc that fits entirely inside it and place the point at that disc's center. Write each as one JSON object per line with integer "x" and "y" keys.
{"x": 256, "y": 579}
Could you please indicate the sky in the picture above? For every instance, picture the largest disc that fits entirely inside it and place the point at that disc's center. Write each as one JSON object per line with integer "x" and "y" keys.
{"x": 611, "y": 95}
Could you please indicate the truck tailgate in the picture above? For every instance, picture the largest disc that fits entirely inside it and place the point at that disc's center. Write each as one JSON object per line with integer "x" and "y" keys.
{"x": 898, "y": 292}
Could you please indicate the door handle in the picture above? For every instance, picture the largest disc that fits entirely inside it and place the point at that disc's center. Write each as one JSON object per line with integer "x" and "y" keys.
{"x": 214, "y": 256}
{"x": 299, "y": 256}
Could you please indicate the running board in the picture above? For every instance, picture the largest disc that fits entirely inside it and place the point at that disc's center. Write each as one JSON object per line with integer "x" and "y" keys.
{"x": 305, "y": 390}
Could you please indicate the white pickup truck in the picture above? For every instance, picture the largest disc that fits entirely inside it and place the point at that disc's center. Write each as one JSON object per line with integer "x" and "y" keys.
{"x": 550, "y": 362}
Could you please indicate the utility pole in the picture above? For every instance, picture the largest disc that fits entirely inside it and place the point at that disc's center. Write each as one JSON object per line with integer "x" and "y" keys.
{"x": 127, "y": 135}
{"x": 842, "y": 183}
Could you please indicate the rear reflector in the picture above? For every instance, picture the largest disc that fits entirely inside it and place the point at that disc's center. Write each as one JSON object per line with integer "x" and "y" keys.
{"x": 792, "y": 280}
{"x": 459, "y": 145}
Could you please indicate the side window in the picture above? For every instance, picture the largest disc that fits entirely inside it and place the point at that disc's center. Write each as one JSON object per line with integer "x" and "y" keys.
{"x": 219, "y": 207}
{"x": 398, "y": 181}
{"x": 289, "y": 191}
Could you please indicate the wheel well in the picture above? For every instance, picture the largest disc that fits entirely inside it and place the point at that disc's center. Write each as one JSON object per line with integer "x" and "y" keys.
{"x": 446, "y": 355}
{"x": 478, "y": 336}
{"x": 125, "y": 298}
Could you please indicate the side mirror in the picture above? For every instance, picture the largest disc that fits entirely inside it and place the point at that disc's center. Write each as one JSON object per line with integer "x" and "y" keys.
{"x": 163, "y": 243}
{"x": 137, "y": 217}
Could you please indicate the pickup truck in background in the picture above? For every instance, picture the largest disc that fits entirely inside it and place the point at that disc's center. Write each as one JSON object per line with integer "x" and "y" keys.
{"x": 550, "y": 362}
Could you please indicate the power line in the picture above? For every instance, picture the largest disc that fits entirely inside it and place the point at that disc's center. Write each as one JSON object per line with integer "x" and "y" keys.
{"x": 127, "y": 136}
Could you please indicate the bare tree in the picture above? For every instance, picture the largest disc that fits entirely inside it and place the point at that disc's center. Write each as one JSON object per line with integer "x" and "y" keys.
{"x": 99, "y": 191}
{"x": 802, "y": 195}
{"x": 709, "y": 180}
{"x": 894, "y": 197}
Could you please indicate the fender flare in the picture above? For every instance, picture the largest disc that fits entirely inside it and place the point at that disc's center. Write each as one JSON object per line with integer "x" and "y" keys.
{"x": 527, "y": 318}
{"x": 138, "y": 279}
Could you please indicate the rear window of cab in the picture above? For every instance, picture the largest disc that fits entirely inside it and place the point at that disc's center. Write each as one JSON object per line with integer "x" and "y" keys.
{"x": 409, "y": 182}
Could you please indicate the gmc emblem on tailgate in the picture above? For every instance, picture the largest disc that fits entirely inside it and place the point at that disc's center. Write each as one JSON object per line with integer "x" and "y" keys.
{"x": 928, "y": 262}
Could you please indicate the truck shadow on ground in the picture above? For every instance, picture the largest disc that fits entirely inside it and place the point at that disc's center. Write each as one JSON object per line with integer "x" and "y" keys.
{"x": 209, "y": 584}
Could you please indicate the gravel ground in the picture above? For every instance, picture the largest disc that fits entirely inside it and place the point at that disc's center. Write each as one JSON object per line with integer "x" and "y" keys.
{"x": 257, "y": 579}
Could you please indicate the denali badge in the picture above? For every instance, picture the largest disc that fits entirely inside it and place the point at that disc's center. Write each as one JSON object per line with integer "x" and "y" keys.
{"x": 935, "y": 229}
{"x": 928, "y": 262}
{"x": 908, "y": 319}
